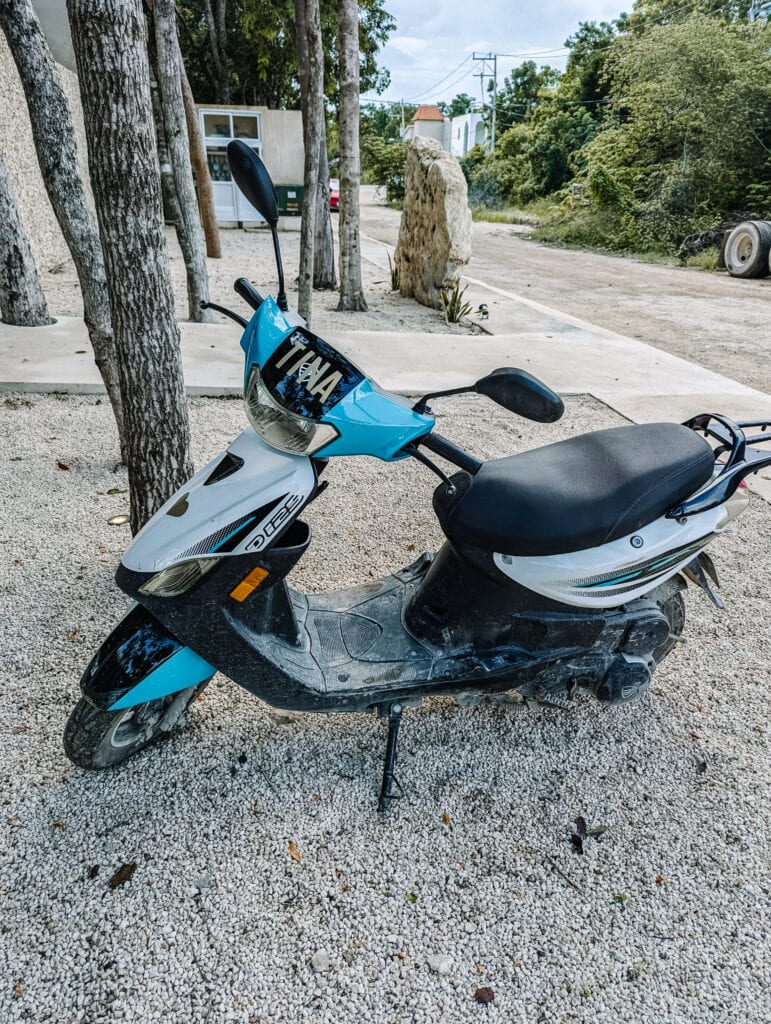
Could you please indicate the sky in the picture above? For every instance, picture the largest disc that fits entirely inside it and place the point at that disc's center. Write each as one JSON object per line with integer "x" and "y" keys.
{"x": 432, "y": 39}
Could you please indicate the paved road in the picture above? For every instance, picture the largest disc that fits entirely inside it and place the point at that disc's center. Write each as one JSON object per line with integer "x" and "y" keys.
{"x": 720, "y": 322}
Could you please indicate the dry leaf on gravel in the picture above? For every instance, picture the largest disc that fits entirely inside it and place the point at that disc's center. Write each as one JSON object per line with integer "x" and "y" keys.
{"x": 62, "y": 465}
{"x": 484, "y": 994}
{"x": 447, "y": 820}
{"x": 294, "y": 853}
{"x": 123, "y": 874}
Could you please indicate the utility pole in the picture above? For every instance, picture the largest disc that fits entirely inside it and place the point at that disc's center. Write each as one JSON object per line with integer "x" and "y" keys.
{"x": 402, "y": 103}
{"x": 489, "y": 62}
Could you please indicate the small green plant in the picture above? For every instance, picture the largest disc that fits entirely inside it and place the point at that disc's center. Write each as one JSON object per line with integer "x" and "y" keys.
{"x": 394, "y": 273}
{"x": 454, "y": 305}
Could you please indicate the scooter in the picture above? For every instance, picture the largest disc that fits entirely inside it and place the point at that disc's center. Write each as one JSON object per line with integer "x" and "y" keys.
{"x": 562, "y": 568}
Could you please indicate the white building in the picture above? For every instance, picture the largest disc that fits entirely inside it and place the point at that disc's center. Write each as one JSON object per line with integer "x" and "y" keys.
{"x": 457, "y": 136}
{"x": 428, "y": 122}
{"x": 466, "y": 131}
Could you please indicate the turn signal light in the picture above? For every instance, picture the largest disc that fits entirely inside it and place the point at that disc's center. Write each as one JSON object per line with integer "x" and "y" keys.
{"x": 249, "y": 583}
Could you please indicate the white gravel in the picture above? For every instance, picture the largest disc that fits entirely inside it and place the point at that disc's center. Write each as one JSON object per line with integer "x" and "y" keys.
{"x": 469, "y": 883}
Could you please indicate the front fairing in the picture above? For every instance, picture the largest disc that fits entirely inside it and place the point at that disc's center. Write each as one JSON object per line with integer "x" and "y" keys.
{"x": 240, "y": 502}
{"x": 309, "y": 377}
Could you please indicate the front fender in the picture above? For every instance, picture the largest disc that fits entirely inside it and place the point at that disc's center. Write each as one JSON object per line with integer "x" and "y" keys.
{"x": 140, "y": 661}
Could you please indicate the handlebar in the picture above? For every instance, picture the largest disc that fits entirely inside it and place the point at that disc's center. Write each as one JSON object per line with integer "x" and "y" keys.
{"x": 248, "y": 293}
{"x": 448, "y": 450}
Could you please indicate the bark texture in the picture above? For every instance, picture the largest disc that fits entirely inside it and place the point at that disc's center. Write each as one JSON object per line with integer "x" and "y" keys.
{"x": 190, "y": 232}
{"x": 216, "y": 23}
{"x": 351, "y": 291}
{"x": 324, "y": 275}
{"x": 310, "y": 59}
{"x": 111, "y": 53}
{"x": 22, "y": 301}
{"x": 200, "y": 168}
{"x": 54, "y": 135}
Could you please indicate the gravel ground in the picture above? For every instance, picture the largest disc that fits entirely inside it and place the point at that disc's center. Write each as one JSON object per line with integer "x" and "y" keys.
{"x": 250, "y": 254}
{"x": 470, "y": 883}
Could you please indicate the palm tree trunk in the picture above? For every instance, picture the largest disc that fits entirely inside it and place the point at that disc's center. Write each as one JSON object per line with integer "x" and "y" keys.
{"x": 351, "y": 291}
{"x": 324, "y": 275}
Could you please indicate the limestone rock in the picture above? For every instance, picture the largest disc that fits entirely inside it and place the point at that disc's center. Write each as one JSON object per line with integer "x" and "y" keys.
{"x": 435, "y": 230}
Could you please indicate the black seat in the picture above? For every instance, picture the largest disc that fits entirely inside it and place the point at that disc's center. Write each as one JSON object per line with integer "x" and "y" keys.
{"x": 575, "y": 494}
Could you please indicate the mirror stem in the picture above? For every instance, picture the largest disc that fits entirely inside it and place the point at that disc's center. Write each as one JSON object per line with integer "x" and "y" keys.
{"x": 422, "y": 404}
{"x": 283, "y": 305}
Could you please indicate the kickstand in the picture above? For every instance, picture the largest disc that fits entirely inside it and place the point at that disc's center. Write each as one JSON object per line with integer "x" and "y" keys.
{"x": 393, "y": 712}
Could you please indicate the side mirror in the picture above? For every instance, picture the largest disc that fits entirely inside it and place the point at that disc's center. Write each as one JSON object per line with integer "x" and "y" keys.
{"x": 522, "y": 393}
{"x": 251, "y": 176}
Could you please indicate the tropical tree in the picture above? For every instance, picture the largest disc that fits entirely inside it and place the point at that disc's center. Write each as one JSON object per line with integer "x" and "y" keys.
{"x": 110, "y": 47}
{"x": 22, "y": 301}
{"x": 351, "y": 290}
{"x": 54, "y": 137}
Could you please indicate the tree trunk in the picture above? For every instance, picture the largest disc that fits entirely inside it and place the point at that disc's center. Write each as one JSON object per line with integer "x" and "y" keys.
{"x": 310, "y": 59}
{"x": 351, "y": 292}
{"x": 54, "y": 135}
{"x": 201, "y": 168}
{"x": 110, "y": 47}
{"x": 22, "y": 302}
{"x": 324, "y": 275}
{"x": 217, "y": 27}
{"x": 190, "y": 235}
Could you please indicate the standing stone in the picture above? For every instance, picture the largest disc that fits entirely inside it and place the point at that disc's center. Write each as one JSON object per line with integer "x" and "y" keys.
{"x": 435, "y": 231}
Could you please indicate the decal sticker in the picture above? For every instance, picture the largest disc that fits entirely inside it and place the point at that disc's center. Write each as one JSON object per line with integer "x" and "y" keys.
{"x": 307, "y": 376}
{"x": 276, "y": 521}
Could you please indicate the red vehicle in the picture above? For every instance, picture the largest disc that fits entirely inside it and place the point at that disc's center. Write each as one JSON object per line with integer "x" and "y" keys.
{"x": 334, "y": 194}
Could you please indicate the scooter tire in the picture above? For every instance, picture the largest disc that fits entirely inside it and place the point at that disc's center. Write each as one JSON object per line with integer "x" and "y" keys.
{"x": 96, "y": 739}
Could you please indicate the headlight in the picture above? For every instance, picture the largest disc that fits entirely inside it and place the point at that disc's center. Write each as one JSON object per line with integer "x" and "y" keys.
{"x": 280, "y": 428}
{"x": 178, "y": 578}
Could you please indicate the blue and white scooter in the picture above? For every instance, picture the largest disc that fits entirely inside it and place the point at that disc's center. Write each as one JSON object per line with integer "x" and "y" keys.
{"x": 562, "y": 567}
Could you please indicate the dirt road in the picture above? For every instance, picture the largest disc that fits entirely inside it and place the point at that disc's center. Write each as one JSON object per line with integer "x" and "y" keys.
{"x": 715, "y": 320}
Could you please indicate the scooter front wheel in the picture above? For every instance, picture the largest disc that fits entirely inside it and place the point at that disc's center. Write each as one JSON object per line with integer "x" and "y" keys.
{"x": 101, "y": 739}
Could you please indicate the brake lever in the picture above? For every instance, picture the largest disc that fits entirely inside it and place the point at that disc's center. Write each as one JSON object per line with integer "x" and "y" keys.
{"x": 227, "y": 312}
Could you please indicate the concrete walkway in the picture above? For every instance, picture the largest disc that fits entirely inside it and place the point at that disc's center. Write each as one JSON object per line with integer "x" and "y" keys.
{"x": 640, "y": 382}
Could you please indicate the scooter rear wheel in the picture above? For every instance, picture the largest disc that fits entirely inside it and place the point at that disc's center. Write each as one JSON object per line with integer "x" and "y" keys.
{"x": 101, "y": 739}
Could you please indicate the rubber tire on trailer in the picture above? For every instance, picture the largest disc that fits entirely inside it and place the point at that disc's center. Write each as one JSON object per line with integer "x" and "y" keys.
{"x": 747, "y": 249}
{"x": 92, "y": 737}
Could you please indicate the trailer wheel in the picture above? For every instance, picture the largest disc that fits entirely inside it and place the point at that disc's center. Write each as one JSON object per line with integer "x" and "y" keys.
{"x": 747, "y": 249}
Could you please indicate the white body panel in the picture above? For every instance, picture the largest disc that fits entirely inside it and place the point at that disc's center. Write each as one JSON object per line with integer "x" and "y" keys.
{"x": 612, "y": 574}
{"x": 215, "y": 510}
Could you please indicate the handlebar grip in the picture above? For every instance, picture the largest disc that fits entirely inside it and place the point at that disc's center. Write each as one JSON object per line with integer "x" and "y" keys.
{"x": 248, "y": 293}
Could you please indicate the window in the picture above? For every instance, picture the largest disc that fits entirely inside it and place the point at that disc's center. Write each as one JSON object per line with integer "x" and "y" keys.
{"x": 216, "y": 126}
{"x": 245, "y": 126}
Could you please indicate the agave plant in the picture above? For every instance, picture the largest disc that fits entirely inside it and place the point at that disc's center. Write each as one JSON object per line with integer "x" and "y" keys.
{"x": 394, "y": 273}
{"x": 454, "y": 305}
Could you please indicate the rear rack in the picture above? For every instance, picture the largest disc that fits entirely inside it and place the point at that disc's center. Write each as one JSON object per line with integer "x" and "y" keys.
{"x": 743, "y": 458}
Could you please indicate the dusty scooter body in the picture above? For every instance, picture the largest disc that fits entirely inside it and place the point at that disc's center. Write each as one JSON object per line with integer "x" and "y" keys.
{"x": 563, "y": 567}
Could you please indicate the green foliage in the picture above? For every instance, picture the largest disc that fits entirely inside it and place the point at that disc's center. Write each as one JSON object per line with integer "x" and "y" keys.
{"x": 383, "y": 165}
{"x": 394, "y": 272}
{"x": 260, "y": 50}
{"x": 453, "y": 303}
{"x": 460, "y": 104}
{"x": 664, "y": 116}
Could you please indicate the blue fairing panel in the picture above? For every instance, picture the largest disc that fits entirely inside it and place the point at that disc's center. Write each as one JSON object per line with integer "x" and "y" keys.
{"x": 369, "y": 420}
{"x": 141, "y": 661}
